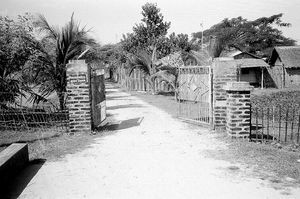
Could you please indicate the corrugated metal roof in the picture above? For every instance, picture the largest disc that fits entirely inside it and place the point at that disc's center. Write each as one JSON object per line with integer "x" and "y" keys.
{"x": 289, "y": 56}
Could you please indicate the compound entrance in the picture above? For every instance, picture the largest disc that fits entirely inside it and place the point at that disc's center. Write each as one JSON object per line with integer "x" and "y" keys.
{"x": 195, "y": 94}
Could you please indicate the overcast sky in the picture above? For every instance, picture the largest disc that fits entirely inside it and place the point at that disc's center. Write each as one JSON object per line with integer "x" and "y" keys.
{"x": 111, "y": 18}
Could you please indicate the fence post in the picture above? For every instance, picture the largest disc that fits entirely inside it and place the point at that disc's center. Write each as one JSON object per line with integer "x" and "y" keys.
{"x": 78, "y": 100}
{"x": 238, "y": 109}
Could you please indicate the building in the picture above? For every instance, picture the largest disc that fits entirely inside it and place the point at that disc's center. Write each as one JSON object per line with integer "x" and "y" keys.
{"x": 252, "y": 71}
{"x": 248, "y": 69}
{"x": 285, "y": 66}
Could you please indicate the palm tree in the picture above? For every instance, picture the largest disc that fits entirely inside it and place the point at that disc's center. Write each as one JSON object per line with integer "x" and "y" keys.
{"x": 145, "y": 62}
{"x": 168, "y": 72}
{"x": 56, "y": 48}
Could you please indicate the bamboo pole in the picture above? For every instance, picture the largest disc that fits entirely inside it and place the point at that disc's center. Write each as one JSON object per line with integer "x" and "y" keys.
{"x": 262, "y": 124}
{"x": 273, "y": 121}
{"x": 298, "y": 136}
{"x": 268, "y": 123}
{"x": 256, "y": 123}
{"x": 286, "y": 124}
{"x": 292, "y": 125}
{"x": 279, "y": 138}
{"x": 262, "y": 77}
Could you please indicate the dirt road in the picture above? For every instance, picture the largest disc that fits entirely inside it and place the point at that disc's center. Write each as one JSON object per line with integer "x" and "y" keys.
{"x": 146, "y": 153}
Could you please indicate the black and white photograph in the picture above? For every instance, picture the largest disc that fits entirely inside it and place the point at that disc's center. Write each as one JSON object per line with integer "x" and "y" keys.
{"x": 149, "y": 99}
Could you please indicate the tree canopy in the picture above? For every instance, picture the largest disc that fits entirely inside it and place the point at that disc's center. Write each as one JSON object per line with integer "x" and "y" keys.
{"x": 251, "y": 36}
{"x": 149, "y": 33}
{"x": 16, "y": 46}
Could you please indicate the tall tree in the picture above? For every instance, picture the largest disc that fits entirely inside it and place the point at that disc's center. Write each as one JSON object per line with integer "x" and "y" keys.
{"x": 250, "y": 36}
{"x": 149, "y": 33}
{"x": 56, "y": 48}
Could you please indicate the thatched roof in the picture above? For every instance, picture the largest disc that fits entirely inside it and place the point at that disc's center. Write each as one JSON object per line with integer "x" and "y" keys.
{"x": 288, "y": 55}
{"x": 250, "y": 63}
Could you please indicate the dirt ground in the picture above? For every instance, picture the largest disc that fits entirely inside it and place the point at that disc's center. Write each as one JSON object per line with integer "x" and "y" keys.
{"x": 144, "y": 152}
{"x": 268, "y": 161}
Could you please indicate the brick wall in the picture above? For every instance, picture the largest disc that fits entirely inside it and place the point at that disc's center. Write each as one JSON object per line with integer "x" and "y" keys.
{"x": 78, "y": 101}
{"x": 223, "y": 71}
{"x": 238, "y": 109}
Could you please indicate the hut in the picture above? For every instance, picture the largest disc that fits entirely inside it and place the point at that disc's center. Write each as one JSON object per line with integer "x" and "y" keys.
{"x": 285, "y": 66}
{"x": 252, "y": 71}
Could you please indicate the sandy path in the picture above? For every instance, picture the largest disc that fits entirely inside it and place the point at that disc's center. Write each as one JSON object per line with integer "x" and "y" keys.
{"x": 152, "y": 155}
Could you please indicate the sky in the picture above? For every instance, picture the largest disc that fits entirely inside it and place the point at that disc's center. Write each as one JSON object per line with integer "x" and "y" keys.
{"x": 110, "y": 19}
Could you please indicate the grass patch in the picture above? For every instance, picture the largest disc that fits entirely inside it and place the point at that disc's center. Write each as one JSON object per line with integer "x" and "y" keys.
{"x": 8, "y": 137}
{"x": 267, "y": 160}
{"x": 56, "y": 145}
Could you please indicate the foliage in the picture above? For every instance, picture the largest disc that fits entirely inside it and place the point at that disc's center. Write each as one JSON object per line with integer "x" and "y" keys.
{"x": 143, "y": 61}
{"x": 250, "y": 36}
{"x": 54, "y": 51}
{"x": 169, "y": 75}
{"x": 168, "y": 69}
{"x": 181, "y": 42}
{"x": 113, "y": 55}
{"x": 148, "y": 34}
{"x": 16, "y": 39}
{"x": 287, "y": 99}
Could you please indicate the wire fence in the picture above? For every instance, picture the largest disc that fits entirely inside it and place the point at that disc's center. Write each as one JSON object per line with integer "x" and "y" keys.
{"x": 26, "y": 119}
{"x": 22, "y": 121}
{"x": 280, "y": 124}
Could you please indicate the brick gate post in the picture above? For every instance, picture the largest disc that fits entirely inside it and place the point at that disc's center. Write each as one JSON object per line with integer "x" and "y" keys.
{"x": 78, "y": 101}
{"x": 238, "y": 109}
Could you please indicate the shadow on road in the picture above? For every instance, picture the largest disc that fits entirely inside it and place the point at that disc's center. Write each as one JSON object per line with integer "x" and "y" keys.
{"x": 124, "y": 124}
{"x": 124, "y": 106}
{"x": 117, "y": 97}
{"x": 17, "y": 184}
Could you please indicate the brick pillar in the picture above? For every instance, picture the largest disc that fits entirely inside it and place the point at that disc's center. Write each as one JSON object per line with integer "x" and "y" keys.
{"x": 224, "y": 70}
{"x": 78, "y": 101}
{"x": 238, "y": 109}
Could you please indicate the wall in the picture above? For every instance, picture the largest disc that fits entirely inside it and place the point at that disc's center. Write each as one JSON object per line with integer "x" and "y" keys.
{"x": 292, "y": 77}
{"x": 276, "y": 73}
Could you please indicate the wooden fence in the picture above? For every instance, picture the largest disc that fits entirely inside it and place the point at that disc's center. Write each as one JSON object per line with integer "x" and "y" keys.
{"x": 275, "y": 123}
{"x": 138, "y": 81}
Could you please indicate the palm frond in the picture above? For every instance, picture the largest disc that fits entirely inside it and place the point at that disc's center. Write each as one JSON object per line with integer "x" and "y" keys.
{"x": 164, "y": 76}
{"x": 43, "y": 26}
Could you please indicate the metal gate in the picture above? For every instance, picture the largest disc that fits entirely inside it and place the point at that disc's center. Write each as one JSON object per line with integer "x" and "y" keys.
{"x": 195, "y": 94}
{"x": 97, "y": 92}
